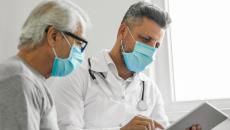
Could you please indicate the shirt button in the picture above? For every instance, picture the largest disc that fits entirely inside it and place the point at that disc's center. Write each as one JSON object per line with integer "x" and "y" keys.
{"x": 120, "y": 124}
{"x": 123, "y": 97}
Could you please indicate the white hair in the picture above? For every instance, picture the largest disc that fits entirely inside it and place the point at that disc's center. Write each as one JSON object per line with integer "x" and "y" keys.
{"x": 64, "y": 15}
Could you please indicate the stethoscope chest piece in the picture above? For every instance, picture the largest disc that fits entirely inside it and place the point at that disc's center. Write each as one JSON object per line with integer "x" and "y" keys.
{"x": 142, "y": 105}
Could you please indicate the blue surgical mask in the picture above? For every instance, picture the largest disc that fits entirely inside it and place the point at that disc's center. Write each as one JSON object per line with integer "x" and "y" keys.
{"x": 63, "y": 67}
{"x": 139, "y": 59}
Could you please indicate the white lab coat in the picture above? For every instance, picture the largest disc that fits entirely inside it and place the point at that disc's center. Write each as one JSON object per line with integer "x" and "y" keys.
{"x": 110, "y": 103}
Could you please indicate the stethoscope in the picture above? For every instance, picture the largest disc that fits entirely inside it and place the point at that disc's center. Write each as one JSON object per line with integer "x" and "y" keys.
{"x": 142, "y": 104}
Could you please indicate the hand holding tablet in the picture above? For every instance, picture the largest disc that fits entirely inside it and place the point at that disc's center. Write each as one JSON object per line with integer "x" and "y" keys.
{"x": 206, "y": 115}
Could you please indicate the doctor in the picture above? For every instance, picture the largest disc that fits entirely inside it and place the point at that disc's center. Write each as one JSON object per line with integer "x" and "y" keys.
{"x": 110, "y": 91}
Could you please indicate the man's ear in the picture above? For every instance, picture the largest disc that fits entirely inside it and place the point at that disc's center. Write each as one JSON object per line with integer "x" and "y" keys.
{"x": 52, "y": 36}
{"x": 122, "y": 32}
{"x": 162, "y": 35}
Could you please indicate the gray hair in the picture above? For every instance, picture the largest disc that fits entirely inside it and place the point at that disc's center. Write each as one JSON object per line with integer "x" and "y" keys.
{"x": 145, "y": 9}
{"x": 62, "y": 14}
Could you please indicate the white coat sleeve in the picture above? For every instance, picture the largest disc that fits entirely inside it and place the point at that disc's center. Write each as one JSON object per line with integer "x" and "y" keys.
{"x": 158, "y": 112}
{"x": 69, "y": 94}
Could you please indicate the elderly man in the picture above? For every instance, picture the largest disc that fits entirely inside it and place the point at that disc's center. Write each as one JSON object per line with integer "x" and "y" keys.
{"x": 110, "y": 91}
{"x": 51, "y": 44}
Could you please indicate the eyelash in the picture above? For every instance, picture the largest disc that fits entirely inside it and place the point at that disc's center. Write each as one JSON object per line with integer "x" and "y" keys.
{"x": 146, "y": 40}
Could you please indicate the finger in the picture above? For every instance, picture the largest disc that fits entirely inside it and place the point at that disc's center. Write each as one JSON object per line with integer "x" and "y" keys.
{"x": 140, "y": 127}
{"x": 149, "y": 120}
{"x": 198, "y": 127}
{"x": 143, "y": 118}
{"x": 154, "y": 125}
{"x": 158, "y": 125}
{"x": 194, "y": 127}
{"x": 146, "y": 124}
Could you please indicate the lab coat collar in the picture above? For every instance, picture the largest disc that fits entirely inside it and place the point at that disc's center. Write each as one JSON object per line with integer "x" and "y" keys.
{"x": 100, "y": 62}
{"x": 142, "y": 76}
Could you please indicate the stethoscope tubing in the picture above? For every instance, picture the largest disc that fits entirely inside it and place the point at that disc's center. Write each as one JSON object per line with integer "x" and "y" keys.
{"x": 143, "y": 85}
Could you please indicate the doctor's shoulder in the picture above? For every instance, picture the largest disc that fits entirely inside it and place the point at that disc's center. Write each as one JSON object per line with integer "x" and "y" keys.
{"x": 74, "y": 83}
{"x": 81, "y": 71}
{"x": 80, "y": 75}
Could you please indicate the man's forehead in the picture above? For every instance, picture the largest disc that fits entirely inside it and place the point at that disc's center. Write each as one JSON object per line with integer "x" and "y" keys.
{"x": 79, "y": 32}
{"x": 79, "y": 29}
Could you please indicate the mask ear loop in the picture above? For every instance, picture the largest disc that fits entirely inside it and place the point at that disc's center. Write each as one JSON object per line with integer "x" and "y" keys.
{"x": 122, "y": 47}
{"x": 131, "y": 33}
{"x": 66, "y": 39}
{"x": 67, "y": 42}
{"x": 54, "y": 51}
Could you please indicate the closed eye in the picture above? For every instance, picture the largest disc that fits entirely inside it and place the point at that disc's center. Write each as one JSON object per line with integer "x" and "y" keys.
{"x": 149, "y": 40}
{"x": 145, "y": 39}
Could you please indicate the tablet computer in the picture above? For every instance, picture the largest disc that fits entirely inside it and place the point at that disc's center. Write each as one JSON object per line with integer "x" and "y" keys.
{"x": 206, "y": 115}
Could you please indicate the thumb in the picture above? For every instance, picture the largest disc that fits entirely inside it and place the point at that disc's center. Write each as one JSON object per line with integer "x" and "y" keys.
{"x": 158, "y": 125}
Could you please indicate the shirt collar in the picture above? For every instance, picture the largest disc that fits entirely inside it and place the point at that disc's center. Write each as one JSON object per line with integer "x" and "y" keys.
{"x": 102, "y": 62}
{"x": 98, "y": 62}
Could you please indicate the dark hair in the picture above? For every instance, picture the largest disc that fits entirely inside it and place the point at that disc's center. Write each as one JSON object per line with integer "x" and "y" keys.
{"x": 146, "y": 9}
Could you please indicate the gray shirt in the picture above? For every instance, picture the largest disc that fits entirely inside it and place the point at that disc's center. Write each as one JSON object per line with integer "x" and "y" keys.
{"x": 25, "y": 101}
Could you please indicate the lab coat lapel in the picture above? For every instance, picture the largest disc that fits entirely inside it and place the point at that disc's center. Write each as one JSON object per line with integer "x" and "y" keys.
{"x": 137, "y": 82}
{"x": 110, "y": 85}
{"x": 98, "y": 63}
{"x": 134, "y": 84}
{"x": 114, "y": 86}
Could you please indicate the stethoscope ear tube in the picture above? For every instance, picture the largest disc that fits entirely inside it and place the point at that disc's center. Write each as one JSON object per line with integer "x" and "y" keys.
{"x": 90, "y": 71}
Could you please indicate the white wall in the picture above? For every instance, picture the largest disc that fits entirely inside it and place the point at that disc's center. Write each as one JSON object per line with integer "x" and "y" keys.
{"x": 106, "y": 16}
{"x": 163, "y": 78}
{"x": 12, "y": 14}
